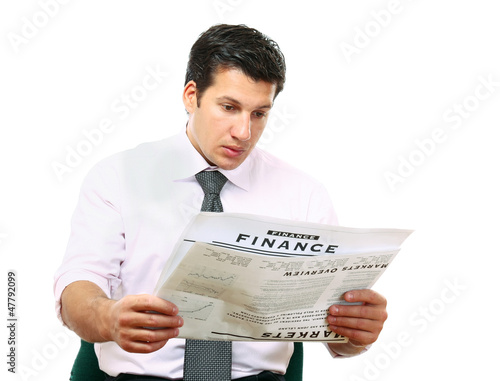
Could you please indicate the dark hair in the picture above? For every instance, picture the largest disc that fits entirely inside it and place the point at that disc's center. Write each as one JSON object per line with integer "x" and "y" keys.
{"x": 235, "y": 47}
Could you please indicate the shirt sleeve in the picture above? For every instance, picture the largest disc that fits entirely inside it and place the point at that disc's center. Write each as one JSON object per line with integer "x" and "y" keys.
{"x": 96, "y": 245}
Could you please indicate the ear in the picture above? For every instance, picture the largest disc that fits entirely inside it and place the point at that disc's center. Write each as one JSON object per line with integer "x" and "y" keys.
{"x": 189, "y": 97}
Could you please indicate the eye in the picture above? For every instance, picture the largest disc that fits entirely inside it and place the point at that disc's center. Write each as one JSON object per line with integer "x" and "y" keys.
{"x": 228, "y": 107}
{"x": 259, "y": 114}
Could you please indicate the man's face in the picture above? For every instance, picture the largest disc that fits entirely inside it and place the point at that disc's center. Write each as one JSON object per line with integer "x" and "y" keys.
{"x": 230, "y": 119}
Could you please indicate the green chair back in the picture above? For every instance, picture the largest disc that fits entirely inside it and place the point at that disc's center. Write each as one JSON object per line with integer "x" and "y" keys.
{"x": 296, "y": 365}
{"x": 86, "y": 367}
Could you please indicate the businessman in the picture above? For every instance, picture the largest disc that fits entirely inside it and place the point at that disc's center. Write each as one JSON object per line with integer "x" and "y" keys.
{"x": 134, "y": 205}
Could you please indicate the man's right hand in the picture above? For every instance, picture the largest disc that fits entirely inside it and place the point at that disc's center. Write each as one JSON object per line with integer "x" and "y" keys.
{"x": 137, "y": 323}
{"x": 142, "y": 323}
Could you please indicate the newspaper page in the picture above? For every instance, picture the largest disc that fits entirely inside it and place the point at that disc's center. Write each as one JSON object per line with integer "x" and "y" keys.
{"x": 253, "y": 278}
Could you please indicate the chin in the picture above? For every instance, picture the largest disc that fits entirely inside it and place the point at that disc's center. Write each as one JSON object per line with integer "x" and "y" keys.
{"x": 229, "y": 165}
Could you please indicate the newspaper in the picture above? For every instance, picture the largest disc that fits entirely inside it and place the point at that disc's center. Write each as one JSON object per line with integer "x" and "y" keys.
{"x": 253, "y": 278}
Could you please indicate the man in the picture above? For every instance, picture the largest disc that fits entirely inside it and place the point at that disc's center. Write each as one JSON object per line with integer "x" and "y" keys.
{"x": 134, "y": 205}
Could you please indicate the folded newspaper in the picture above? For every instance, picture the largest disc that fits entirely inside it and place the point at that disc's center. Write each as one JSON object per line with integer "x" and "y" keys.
{"x": 252, "y": 278}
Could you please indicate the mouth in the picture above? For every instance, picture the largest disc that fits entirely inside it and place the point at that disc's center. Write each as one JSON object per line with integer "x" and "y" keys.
{"x": 233, "y": 151}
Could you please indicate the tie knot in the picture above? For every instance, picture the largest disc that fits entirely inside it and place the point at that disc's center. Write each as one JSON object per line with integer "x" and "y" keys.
{"x": 211, "y": 181}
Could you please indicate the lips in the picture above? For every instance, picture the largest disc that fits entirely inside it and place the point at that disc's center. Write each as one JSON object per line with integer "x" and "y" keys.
{"x": 233, "y": 151}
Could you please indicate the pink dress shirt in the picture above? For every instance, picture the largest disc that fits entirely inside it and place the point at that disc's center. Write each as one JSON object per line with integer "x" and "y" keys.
{"x": 132, "y": 208}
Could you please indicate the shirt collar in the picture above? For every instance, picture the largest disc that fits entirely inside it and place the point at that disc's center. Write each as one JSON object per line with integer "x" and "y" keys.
{"x": 191, "y": 162}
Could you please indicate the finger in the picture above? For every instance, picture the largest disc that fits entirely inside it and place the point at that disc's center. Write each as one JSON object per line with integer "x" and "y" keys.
{"x": 373, "y": 326}
{"x": 146, "y": 335}
{"x": 362, "y": 337}
{"x": 145, "y": 340}
{"x": 365, "y": 296}
{"x": 150, "y": 319}
{"x": 152, "y": 303}
{"x": 142, "y": 347}
{"x": 130, "y": 326}
{"x": 370, "y": 312}
{"x": 156, "y": 320}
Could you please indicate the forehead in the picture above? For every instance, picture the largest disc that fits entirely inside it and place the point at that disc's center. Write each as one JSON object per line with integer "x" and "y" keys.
{"x": 235, "y": 85}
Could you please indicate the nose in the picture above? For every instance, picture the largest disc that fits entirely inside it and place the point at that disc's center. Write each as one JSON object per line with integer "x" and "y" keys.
{"x": 242, "y": 130}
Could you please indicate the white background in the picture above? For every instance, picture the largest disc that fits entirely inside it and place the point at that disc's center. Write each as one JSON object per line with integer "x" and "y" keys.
{"x": 349, "y": 116}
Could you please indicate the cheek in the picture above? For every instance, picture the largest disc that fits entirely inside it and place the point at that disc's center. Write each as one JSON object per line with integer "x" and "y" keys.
{"x": 258, "y": 130}
{"x": 204, "y": 128}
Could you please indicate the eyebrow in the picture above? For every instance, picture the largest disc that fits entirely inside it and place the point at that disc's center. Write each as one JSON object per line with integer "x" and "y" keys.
{"x": 237, "y": 102}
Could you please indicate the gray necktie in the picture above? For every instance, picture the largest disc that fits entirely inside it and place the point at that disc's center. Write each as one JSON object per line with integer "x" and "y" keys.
{"x": 208, "y": 360}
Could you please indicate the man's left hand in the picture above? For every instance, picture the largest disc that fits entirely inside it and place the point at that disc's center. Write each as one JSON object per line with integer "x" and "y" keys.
{"x": 363, "y": 323}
